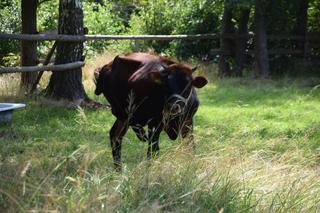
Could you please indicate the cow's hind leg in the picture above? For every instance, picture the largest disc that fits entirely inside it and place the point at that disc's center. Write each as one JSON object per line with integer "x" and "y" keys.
{"x": 117, "y": 132}
{"x": 153, "y": 139}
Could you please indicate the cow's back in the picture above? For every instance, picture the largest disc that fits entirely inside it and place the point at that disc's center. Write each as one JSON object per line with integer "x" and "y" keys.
{"x": 129, "y": 91}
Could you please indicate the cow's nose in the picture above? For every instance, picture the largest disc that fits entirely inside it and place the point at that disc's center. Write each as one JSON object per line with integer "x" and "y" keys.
{"x": 175, "y": 109}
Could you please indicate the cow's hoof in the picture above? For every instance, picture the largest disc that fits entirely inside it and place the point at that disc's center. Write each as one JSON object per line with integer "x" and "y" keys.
{"x": 118, "y": 167}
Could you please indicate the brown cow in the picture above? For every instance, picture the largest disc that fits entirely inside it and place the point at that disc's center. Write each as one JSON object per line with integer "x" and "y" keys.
{"x": 148, "y": 90}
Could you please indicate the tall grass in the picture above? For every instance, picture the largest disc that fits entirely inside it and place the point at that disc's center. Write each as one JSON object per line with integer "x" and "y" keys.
{"x": 9, "y": 84}
{"x": 257, "y": 142}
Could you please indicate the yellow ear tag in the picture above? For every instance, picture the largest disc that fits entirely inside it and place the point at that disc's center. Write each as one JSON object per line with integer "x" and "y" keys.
{"x": 157, "y": 81}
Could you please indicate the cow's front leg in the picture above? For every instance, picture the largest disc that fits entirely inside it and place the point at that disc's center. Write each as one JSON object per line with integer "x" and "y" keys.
{"x": 154, "y": 130}
{"x": 117, "y": 132}
{"x": 138, "y": 129}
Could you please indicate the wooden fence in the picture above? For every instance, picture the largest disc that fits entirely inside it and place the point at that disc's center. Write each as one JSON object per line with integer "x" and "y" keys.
{"x": 78, "y": 38}
{"x": 82, "y": 38}
{"x": 309, "y": 38}
{"x": 59, "y": 67}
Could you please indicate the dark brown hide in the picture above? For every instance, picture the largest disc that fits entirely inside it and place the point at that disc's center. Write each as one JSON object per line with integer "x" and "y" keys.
{"x": 148, "y": 90}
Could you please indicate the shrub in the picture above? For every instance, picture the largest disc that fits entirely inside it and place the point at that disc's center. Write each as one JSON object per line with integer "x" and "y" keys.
{"x": 101, "y": 19}
{"x": 179, "y": 17}
{"x": 9, "y": 23}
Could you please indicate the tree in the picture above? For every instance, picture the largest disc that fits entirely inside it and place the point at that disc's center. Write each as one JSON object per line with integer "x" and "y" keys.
{"x": 260, "y": 41}
{"x": 68, "y": 84}
{"x": 301, "y": 22}
{"x": 28, "y": 48}
{"x": 241, "y": 43}
{"x": 225, "y": 43}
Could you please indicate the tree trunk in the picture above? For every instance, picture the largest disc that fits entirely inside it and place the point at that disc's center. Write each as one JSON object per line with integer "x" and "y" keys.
{"x": 260, "y": 41}
{"x": 28, "y": 48}
{"x": 67, "y": 85}
{"x": 225, "y": 43}
{"x": 240, "y": 53}
{"x": 301, "y": 23}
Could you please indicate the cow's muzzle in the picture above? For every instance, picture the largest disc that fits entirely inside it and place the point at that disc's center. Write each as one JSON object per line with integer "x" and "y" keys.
{"x": 175, "y": 105}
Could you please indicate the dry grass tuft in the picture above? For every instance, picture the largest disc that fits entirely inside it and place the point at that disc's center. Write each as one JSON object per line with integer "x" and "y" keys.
{"x": 89, "y": 68}
{"x": 9, "y": 85}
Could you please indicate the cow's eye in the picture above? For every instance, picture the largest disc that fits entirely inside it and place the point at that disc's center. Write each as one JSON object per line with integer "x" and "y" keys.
{"x": 170, "y": 77}
{"x": 165, "y": 72}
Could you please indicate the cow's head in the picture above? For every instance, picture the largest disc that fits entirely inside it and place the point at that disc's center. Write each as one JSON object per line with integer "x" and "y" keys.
{"x": 100, "y": 77}
{"x": 177, "y": 82}
{"x": 97, "y": 81}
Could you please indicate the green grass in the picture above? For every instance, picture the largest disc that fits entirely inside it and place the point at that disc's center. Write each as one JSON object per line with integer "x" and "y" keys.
{"x": 258, "y": 150}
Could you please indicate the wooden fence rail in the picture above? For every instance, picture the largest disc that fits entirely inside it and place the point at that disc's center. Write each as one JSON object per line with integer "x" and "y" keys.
{"x": 59, "y": 67}
{"x": 77, "y": 38}
{"x": 310, "y": 37}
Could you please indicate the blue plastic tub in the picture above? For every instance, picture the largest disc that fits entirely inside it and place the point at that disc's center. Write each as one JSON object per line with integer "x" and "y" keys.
{"x": 6, "y": 110}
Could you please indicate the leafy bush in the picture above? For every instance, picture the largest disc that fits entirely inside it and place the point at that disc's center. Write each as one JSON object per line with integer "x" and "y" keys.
{"x": 314, "y": 15}
{"x": 197, "y": 17}
{"x": 9, "y": 23}
{"x": 48, "y": 15}
{"x": 101, "y": 19}
{"x": 179, "y": 17}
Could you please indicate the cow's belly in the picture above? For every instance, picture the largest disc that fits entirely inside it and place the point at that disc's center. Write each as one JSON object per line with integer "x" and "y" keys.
{"x": 138, "y": 110}
{"x": 146, "y": 112}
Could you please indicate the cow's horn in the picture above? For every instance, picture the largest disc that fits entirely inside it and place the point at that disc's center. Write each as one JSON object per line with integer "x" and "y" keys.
{"x": 96, "y": 72}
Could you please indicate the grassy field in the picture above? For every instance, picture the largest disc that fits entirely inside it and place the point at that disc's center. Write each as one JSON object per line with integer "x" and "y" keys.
{"x": 258, "y": 150}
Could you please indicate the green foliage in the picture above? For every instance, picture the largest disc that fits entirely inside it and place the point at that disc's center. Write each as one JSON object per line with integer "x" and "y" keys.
{"x": 314, "y": 15}
{"x": 281, "y": 16}
{"x": 197, "y": 17}
{"x": 101, "y": 19}
{"x": 180, "y": 17}
{"x": 10, "y": 60}
{"x": 48, "y": 15}
{"x": 10, "y": 16}
{"x": 281, "y": 19}
{"x": 9, "y": 23}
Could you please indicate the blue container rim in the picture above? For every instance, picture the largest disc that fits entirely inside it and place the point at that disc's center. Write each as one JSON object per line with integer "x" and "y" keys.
{"x": 11, "y": 106}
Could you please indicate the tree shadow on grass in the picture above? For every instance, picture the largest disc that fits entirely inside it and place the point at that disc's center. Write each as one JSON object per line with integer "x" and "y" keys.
{"x": 53, "y": 130}
{"x": 42, "y": 125}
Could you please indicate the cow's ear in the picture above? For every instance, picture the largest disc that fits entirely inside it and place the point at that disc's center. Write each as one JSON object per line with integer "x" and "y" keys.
{"x": 199, "y": 81}
{"x": 96, "y": 73}
{"x": 155, "y": 77}
{"x": 98, "y": 91}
